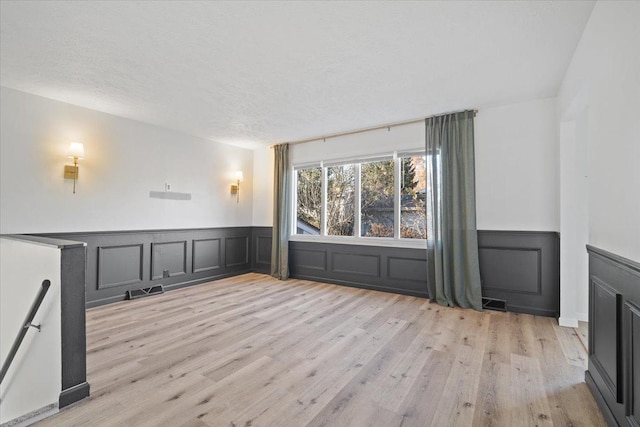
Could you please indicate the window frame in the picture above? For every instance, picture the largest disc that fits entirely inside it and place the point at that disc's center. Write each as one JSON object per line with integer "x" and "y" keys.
{"x": 356, "y": 239}
{"x": 293, "y": 209}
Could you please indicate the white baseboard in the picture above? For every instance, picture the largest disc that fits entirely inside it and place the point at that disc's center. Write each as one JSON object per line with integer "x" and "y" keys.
{"x": 582, "y": 317}
{"x": 568, "y": 322}
{"x": 33, "y": 416}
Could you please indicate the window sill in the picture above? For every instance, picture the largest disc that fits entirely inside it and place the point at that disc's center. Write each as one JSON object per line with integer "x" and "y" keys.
{"x": 363, "y": 241}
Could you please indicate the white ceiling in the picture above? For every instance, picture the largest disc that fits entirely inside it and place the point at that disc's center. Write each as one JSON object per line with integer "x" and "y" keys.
{"x": 253, "y": 73}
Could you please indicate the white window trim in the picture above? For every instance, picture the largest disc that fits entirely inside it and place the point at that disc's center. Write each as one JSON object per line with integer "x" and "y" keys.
{"x": 358, "y": 202}
{"x": 353, "y": 160}
{"x": 396, "y": 241}
{"x": 411, "y": 153}
{"x": 364, "y": 241}
{"x": 397, "y": 174}
{"x": 323, "y": 204}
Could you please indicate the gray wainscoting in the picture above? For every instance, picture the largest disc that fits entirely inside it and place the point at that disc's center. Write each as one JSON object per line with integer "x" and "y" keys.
{"x": 519, "y": 267}
{"x": 74, "y": 343}
{"x": 400, "y": 270}
{"x": 614, "y": 336}
{"x": 261, "y": 249}
{"x": 522, "y": 268}
{"x": 126, "y": 260}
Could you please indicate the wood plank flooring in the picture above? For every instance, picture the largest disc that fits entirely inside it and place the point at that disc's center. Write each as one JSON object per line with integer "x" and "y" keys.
{"x": 254, "y": 351}
{"x": 583, "y": 334}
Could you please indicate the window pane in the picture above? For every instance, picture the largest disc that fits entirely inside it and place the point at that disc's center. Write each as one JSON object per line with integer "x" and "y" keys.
{"x": 309, "y": 209}
{"x": 413, "y": 221}
{"x": 340, "y": 200}
{"x": 377, "y": 199}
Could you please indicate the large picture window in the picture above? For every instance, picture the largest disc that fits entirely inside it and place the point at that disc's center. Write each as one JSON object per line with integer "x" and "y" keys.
{"x": 369, "y": 200}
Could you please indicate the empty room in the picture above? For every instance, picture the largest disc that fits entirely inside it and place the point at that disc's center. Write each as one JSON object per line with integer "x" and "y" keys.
{"x": 291, "y": 213}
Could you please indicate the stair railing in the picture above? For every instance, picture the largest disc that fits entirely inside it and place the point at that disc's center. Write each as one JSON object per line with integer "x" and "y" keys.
{"x": 25, "y": 327}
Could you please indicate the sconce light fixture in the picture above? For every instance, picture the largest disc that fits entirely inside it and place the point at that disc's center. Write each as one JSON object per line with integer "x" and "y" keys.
{"x": 235, "y": 188}
{"x": 75, "y": 152}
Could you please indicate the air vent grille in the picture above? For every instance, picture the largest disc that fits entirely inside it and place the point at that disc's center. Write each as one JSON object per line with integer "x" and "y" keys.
{"x": 145, "y": 292}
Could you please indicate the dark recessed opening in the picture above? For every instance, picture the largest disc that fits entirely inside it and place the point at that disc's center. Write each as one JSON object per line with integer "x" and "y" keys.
{"x": 494, "y": 304}
{"x": 145, "y": 292}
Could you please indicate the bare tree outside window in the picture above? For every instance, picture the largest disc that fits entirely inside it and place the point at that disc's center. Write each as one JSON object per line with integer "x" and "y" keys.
{"x": 377, "y": 199}
{"x": 341, "y": 200}
{"x": 309, "y": 205}
{"x": 413, "y": 219}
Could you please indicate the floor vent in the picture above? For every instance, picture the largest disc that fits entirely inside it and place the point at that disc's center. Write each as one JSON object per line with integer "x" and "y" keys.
{"x": 145, "y": 292}
{"x": 494, "y": 304}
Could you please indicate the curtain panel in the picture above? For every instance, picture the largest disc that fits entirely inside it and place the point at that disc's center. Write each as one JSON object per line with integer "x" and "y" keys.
{"x": 281, "y": 202}
{"x": 453, "y": 272}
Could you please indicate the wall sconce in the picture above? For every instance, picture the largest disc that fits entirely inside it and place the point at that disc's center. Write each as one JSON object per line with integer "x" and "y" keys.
{"x": 235, "y": 188}
{"x": 75, "y": 152}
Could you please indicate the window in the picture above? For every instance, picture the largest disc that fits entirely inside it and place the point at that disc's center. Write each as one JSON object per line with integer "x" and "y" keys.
{"x": 377, "y": 207}
{"x": 379, "y": 199}
{"x": 341, "y": 200}
{"x": 309, "y": 197}
{"x": 413, "y": 215}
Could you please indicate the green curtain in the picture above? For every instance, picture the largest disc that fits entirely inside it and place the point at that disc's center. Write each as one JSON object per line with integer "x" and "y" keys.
{"x": 453, "y": 265}
{"x": 281, "y": 197}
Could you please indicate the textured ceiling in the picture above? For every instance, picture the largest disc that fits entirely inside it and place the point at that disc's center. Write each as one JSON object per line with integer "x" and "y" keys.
{"x": 261, "y": 72}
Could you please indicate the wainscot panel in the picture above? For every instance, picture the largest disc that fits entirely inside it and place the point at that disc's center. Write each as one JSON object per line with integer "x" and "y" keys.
{"x": 236, "y": 250}
{"x": 400, "y": 270}
{"x": 348, "y": 263}
{"x": 522, "y": 268}
{"x": 206, "y": 254}
{"x": 261, "y": 249}
{"x": 168, "y": 259}
{"x": 632, "y": 319}
{"x": 614, "y": 336}
{"x": 119, "y": 261}
{"x": 119, "y": 265}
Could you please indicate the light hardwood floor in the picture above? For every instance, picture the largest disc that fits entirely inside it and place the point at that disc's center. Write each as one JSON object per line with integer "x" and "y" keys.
{"x": 254, "y": 351}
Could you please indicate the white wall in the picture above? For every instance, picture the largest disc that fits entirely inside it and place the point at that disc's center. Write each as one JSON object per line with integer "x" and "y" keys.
{"x": 516, "y": 162}
{"x": 35, "y": 377}
{"x": 574, "y": 295}
{"x": 598, "y": 110}
{"x": 124, "y": 160}
{"x": 263, "y": 187}
{"x": 382, "y": 141}
{"x": 517, "y": 167}
{"x": 603, "y": 79}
